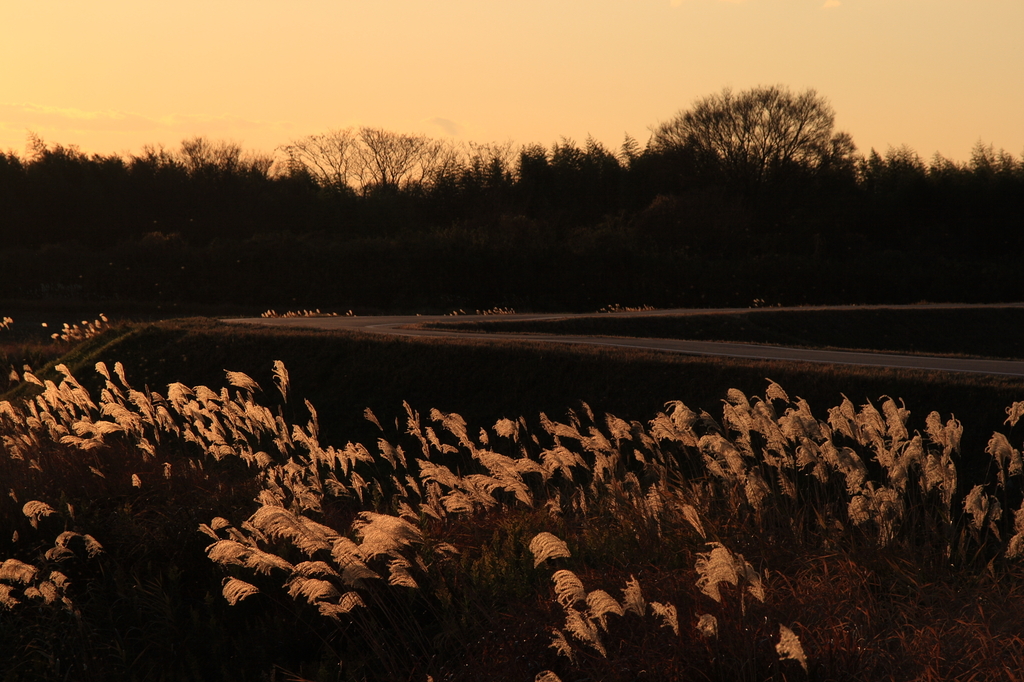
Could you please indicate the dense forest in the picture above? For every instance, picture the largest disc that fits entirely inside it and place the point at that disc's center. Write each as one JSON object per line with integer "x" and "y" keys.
{"x": 744, "y": 199}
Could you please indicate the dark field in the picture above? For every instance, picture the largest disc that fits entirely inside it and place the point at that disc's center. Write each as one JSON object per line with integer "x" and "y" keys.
{"x": 992, "y": 332}
{"x": 933, "y": 597}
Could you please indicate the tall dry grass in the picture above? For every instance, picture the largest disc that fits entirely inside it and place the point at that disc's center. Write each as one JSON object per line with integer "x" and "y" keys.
{"x": 737, "y": 546}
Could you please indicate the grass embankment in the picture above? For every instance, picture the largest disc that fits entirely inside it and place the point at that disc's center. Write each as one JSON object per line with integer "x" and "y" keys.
{"x": 995, "y": 332}
{"x": 877, "y": 584}
{"x": 344, "y": 373}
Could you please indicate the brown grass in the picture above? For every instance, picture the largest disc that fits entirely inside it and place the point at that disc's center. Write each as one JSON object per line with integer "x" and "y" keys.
{"x": 443, "y": 509}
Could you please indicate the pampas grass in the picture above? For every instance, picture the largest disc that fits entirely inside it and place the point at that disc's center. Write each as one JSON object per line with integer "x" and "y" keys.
{"x": 398, "y": 540}
{"x": 546, "y": 546}
{"x": 235, "y": 590}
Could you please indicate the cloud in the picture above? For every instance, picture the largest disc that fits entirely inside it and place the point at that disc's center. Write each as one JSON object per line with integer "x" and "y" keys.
{"x": 677, "y": 3}
{"x": 16, "y": 119}
{"x": 65, "y": 118}
{"x": 448, "y": 126}
{"x": 829, "y": 4}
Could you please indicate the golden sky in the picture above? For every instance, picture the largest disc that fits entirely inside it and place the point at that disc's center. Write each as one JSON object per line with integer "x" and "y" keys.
{"x": 112, "y": 75}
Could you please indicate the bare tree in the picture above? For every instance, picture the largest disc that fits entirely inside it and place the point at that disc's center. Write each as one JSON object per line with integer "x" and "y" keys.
{"x": 332, "y": 159}
{"x": 388, "y": 159}
{"x": 370, "y": 158}
{"x": 438, "y": 159}
{"x": 758, "y": 133}
{"x": 198, "y": 154}
{"x": 490, "y": 163}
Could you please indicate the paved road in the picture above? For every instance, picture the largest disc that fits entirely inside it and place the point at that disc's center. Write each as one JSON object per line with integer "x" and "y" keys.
{"x": 405, "y": 326}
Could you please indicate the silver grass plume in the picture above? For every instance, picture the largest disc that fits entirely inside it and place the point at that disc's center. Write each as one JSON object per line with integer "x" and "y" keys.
{"x": 394, "y": 455}
{"x": 676, "y": 426}
{"x": 909, "y": 455}
{"x": 315, "y": 569}
{"x": 281, "y": 379}
{"x": 228, "y": 552}
{"x": 568, "y": 588}
{"x": 584, "y": 630}
{"x": 443, "y": 448}
{"x": 976, "y": 504}
{"x": 457, "y": 502}
{"x": 264, "y": 562}
{"x": 789, "y": 647}
{"x": 438, "y": 473}
{"x": 305, "y": 534}
{"x": 454, "y": 424}
{"x": 313, "y": 589}
{"x": 764, "y": 422}
{"x": 1014, "y": 413}
{"x": 718, "y": 451}
{"x": 546, "y": 546}
{"x": 235, "y": 590}
{"x": 399, "y": 575}
{"x": 92, "y": 546}
{"x": 841, "y": 418}
{"x": 600, "y": 604}
{"x": 947, "y": 436}
{"x": 17, "y": 571}
{"x": 559, "y": 643}
{"x": 737, "y": 418}
{"x": 36, "y": 510}
{"x": 6, "y": 598}
{"x": 242, "y": 380}
{"x": 347, "y": 602}
{"x": 882, "y": 505}
{"x": 346, "y": 555}
{"x": 775, "y": 392}
{"x": 721, "y": 565}
{"x": 382, "y": 534}
{"x": 506, "y": 428}
{"x": 693, "y": 518}
{"x": 60, "y": 551}
{"x": 707, "y": 626}
{"x": 982, "y": 507}
{"x": 560, "y": 458}
{"x": 633, "y": 598}
{"x": 871, "y": 431}
{"x": 668, "y": 615}
{"x": 895, "y": 420}
{"x": 59, "y": 579}
{"x": 119, "y": 371}
{"x": 1006, "y": 456}
{"x": 1015, "y": 546}
{"x": 48, "y": 591}
{"x": 619, "y": 429}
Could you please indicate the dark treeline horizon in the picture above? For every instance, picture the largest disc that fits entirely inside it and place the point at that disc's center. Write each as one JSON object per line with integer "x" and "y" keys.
{"x": 676, "y": 199}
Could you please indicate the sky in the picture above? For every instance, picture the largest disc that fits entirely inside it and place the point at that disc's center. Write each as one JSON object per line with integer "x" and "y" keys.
{"x": 113, "y": 75}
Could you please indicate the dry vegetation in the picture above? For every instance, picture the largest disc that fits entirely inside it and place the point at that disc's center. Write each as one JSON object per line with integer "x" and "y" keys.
{"x": 991, "y": 331}
{"x": 210, "y": 533}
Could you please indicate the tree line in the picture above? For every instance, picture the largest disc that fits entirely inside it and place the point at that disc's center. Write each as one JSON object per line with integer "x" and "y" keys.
{"x": 753, "y": 174}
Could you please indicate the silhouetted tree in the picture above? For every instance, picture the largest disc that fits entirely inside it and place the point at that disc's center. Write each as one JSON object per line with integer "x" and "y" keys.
{"x": 331, "y": 159}
{"x": 756, "y": 136}
{"x": 534, "y": 179}
{"x": 476, "y": 185}
{"x": 393, "y": 161}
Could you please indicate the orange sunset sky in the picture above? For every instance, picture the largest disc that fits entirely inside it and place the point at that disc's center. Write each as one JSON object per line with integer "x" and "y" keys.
{"x": 112, "y": 75}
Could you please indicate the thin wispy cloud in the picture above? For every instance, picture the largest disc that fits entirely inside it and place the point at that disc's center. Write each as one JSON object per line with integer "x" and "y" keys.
{"x": 447, "y": 125}
{"x": 64, "y": 123}
{"x": 677, "y": 3}
{"x": 63, "y": 118}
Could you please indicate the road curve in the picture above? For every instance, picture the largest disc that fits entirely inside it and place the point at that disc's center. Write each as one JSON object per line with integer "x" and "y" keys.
{"x": 405, "y": 325}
